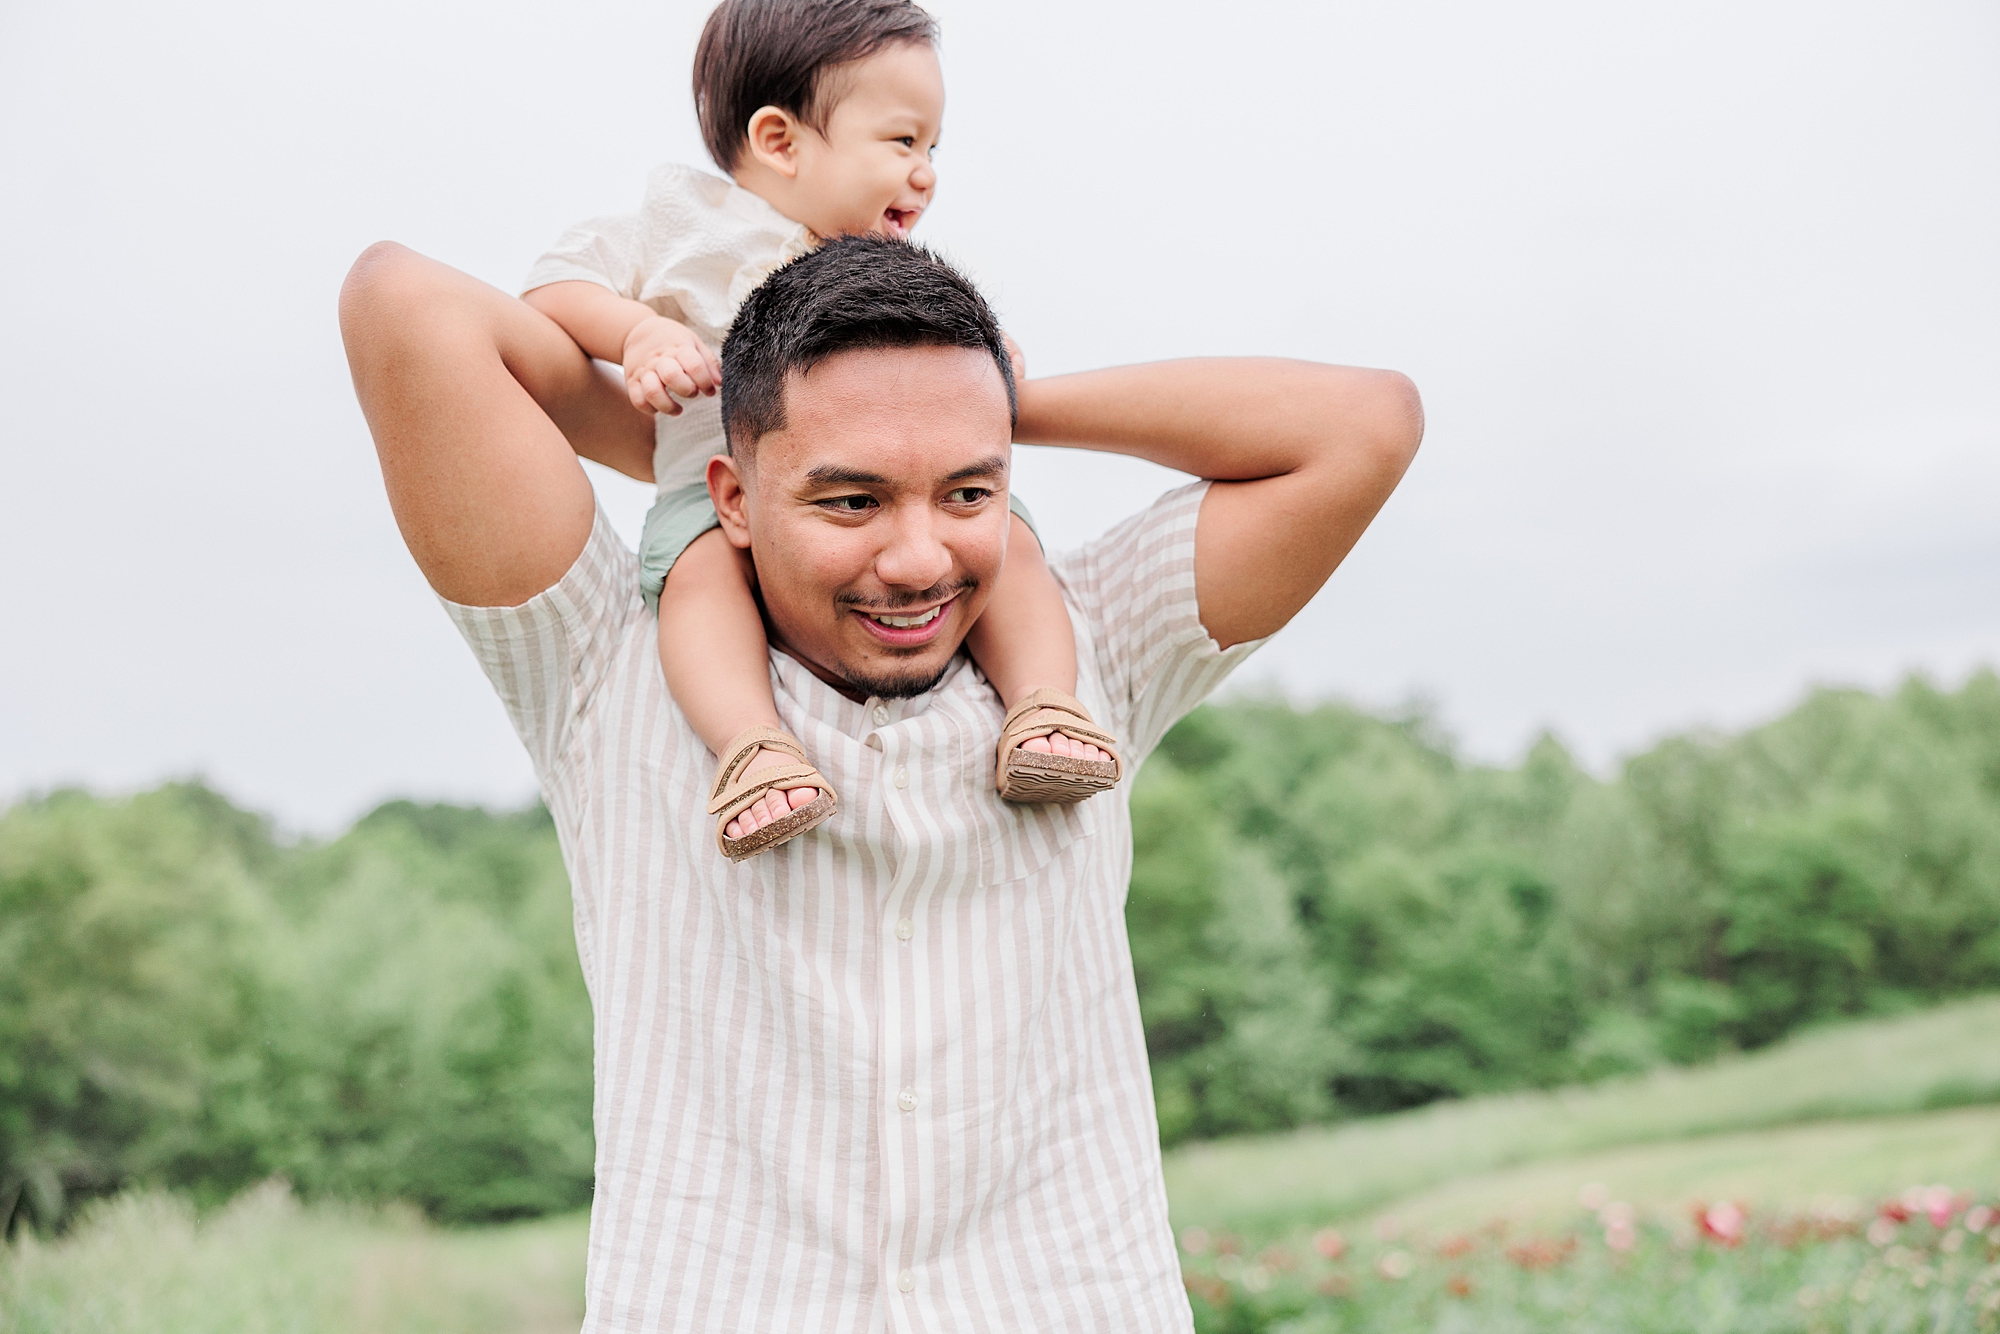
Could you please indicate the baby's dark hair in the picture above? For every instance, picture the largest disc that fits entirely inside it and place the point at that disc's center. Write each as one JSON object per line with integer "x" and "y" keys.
{"x": 759, "y": 53}
{"x": 851, "y": 294}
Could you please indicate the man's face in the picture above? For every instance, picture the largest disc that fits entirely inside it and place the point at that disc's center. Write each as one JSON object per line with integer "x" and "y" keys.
{"x": 878, "y": 515}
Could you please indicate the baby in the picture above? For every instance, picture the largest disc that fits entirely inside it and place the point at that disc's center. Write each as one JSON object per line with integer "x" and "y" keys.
{"x": 824, "y": 114}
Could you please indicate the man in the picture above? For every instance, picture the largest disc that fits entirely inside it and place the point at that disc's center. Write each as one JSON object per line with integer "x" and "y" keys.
{"x": 890, "y": 1075}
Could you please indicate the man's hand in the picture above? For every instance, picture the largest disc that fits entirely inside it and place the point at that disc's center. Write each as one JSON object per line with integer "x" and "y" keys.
{"x": 1018, "y": 357}
{"x": 663, "y": 358}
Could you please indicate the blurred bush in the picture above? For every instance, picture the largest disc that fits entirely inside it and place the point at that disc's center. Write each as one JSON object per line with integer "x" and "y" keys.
{"x": 396, "y": 1014}
{"x": 1331, "y": 914}
{"x": 1450, "y": 928}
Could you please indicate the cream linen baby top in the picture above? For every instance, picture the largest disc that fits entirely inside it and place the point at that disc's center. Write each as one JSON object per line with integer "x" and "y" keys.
{"x": 695, "y": 249}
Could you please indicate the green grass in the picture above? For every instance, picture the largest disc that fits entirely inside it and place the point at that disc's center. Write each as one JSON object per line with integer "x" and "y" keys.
{"x": 1793, "y": 1169}
{"x": 1948, "y": 1057}
{"x": 1460, "y": 1217}
{"x": 144, "y": 1264}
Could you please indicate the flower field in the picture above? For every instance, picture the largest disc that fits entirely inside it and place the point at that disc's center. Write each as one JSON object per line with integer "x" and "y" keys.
{"x": 1925, "y": 1260}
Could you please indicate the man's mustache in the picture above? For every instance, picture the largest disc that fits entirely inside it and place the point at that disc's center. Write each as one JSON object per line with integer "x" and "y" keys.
{"x": 927, "y": 597}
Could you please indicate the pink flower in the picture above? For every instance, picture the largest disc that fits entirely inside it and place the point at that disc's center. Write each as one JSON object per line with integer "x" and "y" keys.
{"x": 1722, "y": 1222}
{"x": 1328, "y": 1242}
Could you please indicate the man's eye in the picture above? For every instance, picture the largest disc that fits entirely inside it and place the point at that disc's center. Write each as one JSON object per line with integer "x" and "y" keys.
{"x": 968, "y": 495}
{"x": 849, "y": 504}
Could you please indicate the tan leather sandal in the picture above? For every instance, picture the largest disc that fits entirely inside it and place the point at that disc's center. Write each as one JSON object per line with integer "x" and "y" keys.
{"x": 1030, "y": 775}
{"x": 733, "y": 794}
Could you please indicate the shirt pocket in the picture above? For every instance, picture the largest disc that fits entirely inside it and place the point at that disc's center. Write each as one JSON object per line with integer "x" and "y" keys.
{"x": 1017, "y": 841}
{"x": 1011, "y": 841}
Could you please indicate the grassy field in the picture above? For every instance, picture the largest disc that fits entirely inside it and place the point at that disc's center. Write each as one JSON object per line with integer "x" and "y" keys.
{"x": 144, "y": 1264}
{"x": 1571, "y": 1210}
{"x": 1948, "y": 1057}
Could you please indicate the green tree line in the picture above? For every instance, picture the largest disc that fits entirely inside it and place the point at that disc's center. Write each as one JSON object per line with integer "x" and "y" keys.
{"x": 1331, "y": 914}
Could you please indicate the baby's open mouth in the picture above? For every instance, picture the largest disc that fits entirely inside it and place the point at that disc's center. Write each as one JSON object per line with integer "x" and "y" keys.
{"x": 899, "y": 221}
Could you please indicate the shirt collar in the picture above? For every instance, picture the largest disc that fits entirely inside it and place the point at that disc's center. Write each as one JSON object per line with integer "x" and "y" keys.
{"x": 816, "y": 699}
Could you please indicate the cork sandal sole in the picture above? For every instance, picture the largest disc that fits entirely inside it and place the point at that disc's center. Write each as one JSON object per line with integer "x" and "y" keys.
{"x": 735, "y": 792}
{"x": 808, "y": 816}
{"x": 1033, "y": 776}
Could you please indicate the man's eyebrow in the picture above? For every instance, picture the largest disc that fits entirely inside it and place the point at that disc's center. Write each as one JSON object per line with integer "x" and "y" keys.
{"x": 834, "y": 474}
{"x": 994, "y": 465}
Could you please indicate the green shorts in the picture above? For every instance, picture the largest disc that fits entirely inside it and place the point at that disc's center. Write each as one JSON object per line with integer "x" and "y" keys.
{"x": 681, "y": 515}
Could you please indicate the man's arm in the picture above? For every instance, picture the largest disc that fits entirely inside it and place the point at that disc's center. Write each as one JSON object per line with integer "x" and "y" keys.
{"x": 479, "y": 406}
{"x": 1302, "y": 456}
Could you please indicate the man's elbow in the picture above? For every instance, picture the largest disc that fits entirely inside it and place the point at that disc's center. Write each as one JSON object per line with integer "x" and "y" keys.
{"x": 381, "y": 282}
{"x": 1395, "y": 419}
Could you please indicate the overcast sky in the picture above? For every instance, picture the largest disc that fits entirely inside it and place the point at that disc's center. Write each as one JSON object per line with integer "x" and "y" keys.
{"x": 1703, "y": 299}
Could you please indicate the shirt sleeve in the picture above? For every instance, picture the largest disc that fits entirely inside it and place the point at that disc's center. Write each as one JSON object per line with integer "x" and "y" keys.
{"x": 608, "y": 251}
{"x": 1134, "y": 591}
{"x": 547, "y": 656}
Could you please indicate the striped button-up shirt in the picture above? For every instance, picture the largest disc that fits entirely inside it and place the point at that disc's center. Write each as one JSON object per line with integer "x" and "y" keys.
{"x": 889, "y": 1075}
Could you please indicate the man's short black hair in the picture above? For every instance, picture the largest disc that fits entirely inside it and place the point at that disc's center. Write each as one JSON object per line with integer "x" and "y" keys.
{"x": 851, "y": 294}
{"x": 776, "y": 53}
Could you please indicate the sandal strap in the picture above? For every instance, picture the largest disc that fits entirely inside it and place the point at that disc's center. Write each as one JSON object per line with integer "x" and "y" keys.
{"x": 746, "y": 744}
{"x": 1014, "y": 730}
{"x": 743, "y": 795}
{"x": 733, "y": 793}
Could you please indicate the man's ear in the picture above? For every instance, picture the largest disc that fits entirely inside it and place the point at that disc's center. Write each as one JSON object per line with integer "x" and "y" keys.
{"x": 773, "y": 137}
{"x": 726, "y": 490}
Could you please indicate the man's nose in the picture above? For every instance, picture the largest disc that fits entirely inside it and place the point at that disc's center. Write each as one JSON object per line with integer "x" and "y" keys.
{"x": 914, "y": 558}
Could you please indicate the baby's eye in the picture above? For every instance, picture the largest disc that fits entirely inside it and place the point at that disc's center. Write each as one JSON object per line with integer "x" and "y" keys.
{"x": 968, "y": 495}
{"x": 849, "y": 504}
{"x": 908, "y": 141}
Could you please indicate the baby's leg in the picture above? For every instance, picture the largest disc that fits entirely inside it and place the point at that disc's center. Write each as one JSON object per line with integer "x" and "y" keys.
{"x": 1023, "y": 640}
{"x": 718, "y": 663}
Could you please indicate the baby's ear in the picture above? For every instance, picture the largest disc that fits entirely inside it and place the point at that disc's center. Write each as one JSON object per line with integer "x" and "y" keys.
{"x": 773, "y": 139}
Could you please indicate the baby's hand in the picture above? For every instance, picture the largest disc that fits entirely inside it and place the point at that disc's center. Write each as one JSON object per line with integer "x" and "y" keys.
{"x": 664, "y": 358}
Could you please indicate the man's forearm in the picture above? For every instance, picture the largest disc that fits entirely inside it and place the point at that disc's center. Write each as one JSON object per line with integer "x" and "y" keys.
{"x": 596, "y": 317}
{"x": 1305, "y": 455}
{"x": 1227, "y": 419}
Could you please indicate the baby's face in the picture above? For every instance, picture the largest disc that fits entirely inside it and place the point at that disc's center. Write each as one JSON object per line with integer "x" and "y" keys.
{"x": 871, "y": 171}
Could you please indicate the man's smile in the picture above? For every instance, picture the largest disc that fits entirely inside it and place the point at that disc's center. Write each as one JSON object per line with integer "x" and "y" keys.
{"x": 907, "y": 629}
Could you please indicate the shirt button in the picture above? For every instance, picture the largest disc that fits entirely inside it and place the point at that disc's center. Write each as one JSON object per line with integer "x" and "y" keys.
{"x": 906, "y": 1282}
{"x": 905, "y": 929}
{"x": 907, "y": 1100}
{"x": 881, "y": 716}
{"x": 901, "y": 778}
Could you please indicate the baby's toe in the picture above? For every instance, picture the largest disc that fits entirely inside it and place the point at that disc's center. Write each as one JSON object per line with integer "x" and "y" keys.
{"x": 800, "y": 796}
{"x": 1039, "y": 744}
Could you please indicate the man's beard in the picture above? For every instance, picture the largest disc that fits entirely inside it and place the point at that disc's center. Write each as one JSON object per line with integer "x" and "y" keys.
{"x": 897, "y": 685}
{"x": 888, "y": 681}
